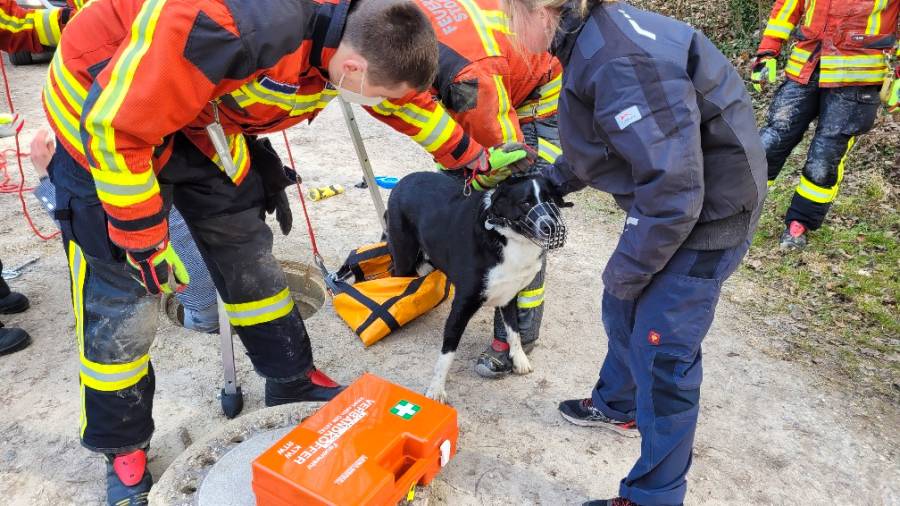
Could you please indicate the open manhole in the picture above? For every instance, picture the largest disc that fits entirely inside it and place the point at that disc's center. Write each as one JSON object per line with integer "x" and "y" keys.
{"x": 307, "y": 286}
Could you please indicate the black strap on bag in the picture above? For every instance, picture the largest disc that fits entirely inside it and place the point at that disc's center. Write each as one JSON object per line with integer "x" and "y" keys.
{"x": 352, "y": 264}
{"x": 378, "y": 310}
{"x": 383, "y": 309}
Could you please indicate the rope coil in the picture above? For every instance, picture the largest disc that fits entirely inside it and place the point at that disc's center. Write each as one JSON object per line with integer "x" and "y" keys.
{"x": 5, "y": 185}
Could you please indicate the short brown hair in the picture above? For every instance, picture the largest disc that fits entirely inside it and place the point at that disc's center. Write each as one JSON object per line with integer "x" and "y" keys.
{"x": 396, "y": 39}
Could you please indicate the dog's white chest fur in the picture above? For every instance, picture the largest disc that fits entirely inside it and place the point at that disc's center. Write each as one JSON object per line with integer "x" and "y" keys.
{"x": 521, "y": 263}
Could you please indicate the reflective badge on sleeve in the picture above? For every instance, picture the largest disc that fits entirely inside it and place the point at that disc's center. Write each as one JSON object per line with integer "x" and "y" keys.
{"x": 627, "y": 117}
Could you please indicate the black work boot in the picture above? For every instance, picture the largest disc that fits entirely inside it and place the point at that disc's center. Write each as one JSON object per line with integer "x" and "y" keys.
{"x": 13, "y": 302}
{"x": 12, "y": 339}
{"x": 315, "y": 387}
{"x": 128, "y": 481}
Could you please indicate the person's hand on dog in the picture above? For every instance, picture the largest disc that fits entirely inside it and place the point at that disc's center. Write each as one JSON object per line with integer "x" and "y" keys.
{"x": 499, "y": 162}
{"x": 42, "y": 147}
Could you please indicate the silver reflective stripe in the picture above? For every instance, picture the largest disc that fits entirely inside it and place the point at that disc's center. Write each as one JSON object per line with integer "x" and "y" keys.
{"x": 119, "y": 189}
{"x": 114, "y": 377}
{"x": 416, "y": 116}
{"x": 271, "y": 308}
{"x": 532, "y": 301}
{"x": 437, "y": 130}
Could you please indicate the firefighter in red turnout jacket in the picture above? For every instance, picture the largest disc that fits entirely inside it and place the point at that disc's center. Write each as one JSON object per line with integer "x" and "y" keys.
{"x": 834, "y": 73}
{"x": 34, "y": 31}
{"x": 487, "y": 93}
{"x": 161, "y": 101}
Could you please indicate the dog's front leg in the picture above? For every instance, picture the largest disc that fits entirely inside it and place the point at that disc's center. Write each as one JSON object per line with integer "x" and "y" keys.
{"x": 510, "y": 312}
{"x": 460, "y": 313}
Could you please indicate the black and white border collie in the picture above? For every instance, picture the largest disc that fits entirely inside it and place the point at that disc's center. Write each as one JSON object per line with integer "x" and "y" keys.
{"x": 490, "y": 245}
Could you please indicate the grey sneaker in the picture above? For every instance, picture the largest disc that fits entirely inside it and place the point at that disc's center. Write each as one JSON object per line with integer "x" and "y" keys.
{"x": 494, "y": 361}
{"x": 582, "y": 412}
{"x": 794, "y": 236}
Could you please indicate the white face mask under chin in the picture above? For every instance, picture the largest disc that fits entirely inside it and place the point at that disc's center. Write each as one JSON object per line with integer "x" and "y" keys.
{"x": 357, "y": 98}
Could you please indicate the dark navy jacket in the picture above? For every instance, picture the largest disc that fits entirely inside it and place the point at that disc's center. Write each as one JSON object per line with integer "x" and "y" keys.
{"x": 654, "y": 114}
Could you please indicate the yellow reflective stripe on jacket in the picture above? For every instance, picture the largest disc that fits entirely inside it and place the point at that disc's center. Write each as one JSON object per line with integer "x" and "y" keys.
{"x": 123, "y": 189}
{"x": 546, "y": 104}
{"x": 10, "y": 23}
{"x": 99, "y": 121}
{"x": 528, "y": 299}
{"x": 240, "y": 156}
{"x": 295, "y": 105}
{"x": 779, "y": 26}
{"x": 486, "y": 22}
{"x": 873, "y": 27}
{"x": 797, "y": 60}
{"x": 261, "y": 311}
{"x": 810, "y": 12}
{"x": 851, "y": 76}
{"x": 823, "y": 195}
{"x": 547, "y": 150}
{"x": 60, "y": 106}
{"x": 778, "y": 29}
{"x": 46, "y": 25}
{"x": 112, "y": 377}
{"x": 435, "y": 127}
{"x": 65, "y": 121}
{"x": 73, "y": 91}
{"x": 864, "y": 61}
{"x": 507, "y": 130}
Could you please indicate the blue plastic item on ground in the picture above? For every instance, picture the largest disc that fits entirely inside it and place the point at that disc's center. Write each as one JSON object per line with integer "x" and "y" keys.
{"x": 386, "y": 182}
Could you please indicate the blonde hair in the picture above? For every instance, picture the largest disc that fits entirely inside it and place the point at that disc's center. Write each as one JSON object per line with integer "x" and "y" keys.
{"x": 583, "y": 6}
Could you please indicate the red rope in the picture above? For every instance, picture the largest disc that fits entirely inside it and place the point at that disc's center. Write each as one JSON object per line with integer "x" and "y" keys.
{"x": 20, "y": 189}
{"x": 309, "y": 227}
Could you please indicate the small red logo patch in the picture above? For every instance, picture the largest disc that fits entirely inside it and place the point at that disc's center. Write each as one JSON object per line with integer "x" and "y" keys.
{"x": 653, "y": 338}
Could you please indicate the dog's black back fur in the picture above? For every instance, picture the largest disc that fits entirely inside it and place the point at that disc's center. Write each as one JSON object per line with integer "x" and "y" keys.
{"x": 428, "y": 214}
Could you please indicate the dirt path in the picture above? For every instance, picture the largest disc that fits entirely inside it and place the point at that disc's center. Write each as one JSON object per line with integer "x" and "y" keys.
{"x": 770, "y": 431}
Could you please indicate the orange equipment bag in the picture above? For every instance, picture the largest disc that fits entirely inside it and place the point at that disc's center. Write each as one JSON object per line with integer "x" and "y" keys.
{"x": 370, "y": 445}
{"x": 374, "y": 303}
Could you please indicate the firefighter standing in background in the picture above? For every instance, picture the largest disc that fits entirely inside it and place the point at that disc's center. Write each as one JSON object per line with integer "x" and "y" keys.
{"x": 835, "y": 72}
{"x": 487, "y": 93}
{"x": 34, "y": 31}
{"x": 143, "y": 96}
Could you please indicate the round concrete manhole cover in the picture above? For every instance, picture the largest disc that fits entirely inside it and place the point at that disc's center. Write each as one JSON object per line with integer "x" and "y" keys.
{"x": 217, "y": 470}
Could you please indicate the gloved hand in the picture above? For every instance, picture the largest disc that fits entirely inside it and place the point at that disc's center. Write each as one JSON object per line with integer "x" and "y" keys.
{"x": 160, "y": 269}
{"x": 499, "y": 162}
{"x": 278, "y": 204}
{"x": 763, "y": 70}
{"x": 892, "y": 100}
{"x": 10, "y": 124}
{"x": 275, "y": 178}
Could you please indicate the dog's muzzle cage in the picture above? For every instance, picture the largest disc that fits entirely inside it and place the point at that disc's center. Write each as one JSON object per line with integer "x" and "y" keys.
{"x": 544, "y": 225}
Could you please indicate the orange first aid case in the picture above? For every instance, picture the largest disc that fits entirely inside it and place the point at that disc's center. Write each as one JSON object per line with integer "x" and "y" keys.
{"x": 370, "y": 445}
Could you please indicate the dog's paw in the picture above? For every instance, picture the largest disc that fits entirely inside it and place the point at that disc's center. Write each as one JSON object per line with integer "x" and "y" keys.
{"x": 521, "y": 364}
{"x": 438, "y": 395}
